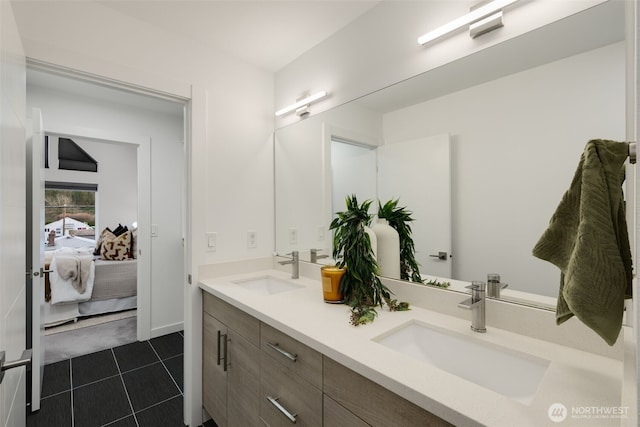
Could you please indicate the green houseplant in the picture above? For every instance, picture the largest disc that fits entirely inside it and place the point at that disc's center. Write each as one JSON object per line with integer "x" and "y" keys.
{"x": 360, "y": 285}
{"x": 399, "y": 218}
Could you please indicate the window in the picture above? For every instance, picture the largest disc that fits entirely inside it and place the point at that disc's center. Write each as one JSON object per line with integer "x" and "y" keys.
{"x": 70, "y": 209}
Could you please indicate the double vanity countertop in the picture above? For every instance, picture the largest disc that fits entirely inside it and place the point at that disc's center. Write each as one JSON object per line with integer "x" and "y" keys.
{"x": 588, "y": 386}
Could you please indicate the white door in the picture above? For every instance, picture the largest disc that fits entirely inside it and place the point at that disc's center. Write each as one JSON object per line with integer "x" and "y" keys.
{"x": 353, "y": 171}
{"x": 12, "y": 217}
{"x": 429, "y": 199}
{"x": 35, "y": 243}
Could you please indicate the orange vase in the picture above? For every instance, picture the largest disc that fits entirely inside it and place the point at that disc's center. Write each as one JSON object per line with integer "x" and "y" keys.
{"x": 331, "y": 277}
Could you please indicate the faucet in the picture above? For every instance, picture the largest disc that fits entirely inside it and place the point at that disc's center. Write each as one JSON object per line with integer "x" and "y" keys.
{"x": 295, "y": 264}
{"x": 494, "y": 285}
{"x": 314, "y": 255}
{"x": 477, "y": 306}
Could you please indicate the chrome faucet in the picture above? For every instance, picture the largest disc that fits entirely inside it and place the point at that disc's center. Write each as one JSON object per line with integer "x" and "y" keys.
{"x": 295, "y": 264}
{"x": 315, "y": 257}
{"x": 477, "y": 306}
{"x": 494, "y": 286}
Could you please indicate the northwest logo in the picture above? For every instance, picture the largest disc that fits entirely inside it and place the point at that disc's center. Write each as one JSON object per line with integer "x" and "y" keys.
{"x": 557, "y": 412}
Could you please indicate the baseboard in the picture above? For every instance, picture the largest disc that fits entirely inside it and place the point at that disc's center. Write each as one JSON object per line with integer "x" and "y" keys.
{"x": 167, "y": 329}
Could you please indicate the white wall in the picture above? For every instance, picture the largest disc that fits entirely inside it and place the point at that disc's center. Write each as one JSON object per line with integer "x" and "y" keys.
{"x": 117, "y": 181}
{"x": 117, "y": 197}
{"x": 540, "y": 120}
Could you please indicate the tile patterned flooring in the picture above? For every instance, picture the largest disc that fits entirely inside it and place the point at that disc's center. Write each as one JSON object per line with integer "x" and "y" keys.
{"x": 138, "y": 384}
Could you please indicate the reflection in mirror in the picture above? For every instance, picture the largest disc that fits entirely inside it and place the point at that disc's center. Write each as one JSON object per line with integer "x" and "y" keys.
{"x": 518, "y": 114}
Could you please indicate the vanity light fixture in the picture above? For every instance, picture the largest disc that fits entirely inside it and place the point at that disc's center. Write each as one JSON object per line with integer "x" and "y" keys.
{"x": 477, "y": 18}
{"x": 302, "y": 105}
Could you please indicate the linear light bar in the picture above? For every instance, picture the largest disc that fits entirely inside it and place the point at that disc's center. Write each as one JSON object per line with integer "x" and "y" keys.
{"x": 465, "y": 20}
{"x": 301, "y": 103}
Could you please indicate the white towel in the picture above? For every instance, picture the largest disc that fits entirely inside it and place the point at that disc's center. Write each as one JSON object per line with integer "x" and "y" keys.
{"x": 63, "y": 288}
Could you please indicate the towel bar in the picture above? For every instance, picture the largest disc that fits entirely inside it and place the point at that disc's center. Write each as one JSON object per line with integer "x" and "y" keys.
{"x": 632, "y": 153}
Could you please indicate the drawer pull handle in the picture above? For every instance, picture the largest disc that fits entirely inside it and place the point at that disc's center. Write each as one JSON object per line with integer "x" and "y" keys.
{"x": 219, "y": 358}
{"x": 224, "y": 354}
{"x": 282, "y": 409}
{"x": 276, "y": 347}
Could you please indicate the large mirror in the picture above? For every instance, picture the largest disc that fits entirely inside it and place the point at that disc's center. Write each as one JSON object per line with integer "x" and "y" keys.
{"x": 516, "y": 117}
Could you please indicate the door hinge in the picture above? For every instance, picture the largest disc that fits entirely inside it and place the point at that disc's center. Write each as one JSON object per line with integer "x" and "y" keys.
{"x": 189, "y": 278}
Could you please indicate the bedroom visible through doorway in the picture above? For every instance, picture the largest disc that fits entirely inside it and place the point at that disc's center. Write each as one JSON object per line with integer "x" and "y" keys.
{"x": 78, "y": 107}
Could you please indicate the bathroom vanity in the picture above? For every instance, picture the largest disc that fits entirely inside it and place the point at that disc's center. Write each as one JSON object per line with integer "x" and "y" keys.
{"x": 275, "y": 353}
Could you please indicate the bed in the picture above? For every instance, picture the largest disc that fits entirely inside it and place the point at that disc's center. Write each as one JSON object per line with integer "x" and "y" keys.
{"x": 111, "y": 285}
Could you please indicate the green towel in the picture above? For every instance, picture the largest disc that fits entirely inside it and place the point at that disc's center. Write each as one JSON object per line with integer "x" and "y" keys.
{"x": 587, "y": 240}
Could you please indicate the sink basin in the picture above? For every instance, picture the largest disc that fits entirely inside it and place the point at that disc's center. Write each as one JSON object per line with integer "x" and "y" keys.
{"x": 510, "y": 373}
{"x": 267, "y": 285}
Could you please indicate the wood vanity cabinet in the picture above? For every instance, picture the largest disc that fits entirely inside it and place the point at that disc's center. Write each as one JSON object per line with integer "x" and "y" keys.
{"x": 256, "y": 375}
{"x": 230, "y": 364}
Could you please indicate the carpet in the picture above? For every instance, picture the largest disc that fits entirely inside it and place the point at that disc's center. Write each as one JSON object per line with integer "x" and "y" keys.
{"x": 68, "y": 344}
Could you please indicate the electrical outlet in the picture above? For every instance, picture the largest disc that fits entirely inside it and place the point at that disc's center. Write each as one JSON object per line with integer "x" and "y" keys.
{"x": 252, "y": 239}
{"x": 154, "y": 230}
{"x": 293, "y": 236}
{"x": 212, "y": 241}
{"x": 320, "y": 233}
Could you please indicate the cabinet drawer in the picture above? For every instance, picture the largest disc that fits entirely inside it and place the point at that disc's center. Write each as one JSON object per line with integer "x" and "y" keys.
{"x": 291, "y": 353}
{"x": 243, "y": 323}
{"x": 335, "y": 415}
{"x": 371, "y": 402}
{"x": 295, "y": 395}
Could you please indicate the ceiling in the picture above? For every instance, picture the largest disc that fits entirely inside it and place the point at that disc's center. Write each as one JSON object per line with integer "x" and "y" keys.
{"x": 266, "y": 33}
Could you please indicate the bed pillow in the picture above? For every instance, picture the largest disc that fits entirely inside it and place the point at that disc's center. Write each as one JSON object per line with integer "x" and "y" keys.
{"x": 120, "y": 229}
{"x": 105, "y": 235}
{"x": 117, "y": 248}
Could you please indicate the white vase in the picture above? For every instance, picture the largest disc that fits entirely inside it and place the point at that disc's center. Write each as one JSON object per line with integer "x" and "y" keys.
{"x": 374, "y": 241}
{"x": 388, "y": 254}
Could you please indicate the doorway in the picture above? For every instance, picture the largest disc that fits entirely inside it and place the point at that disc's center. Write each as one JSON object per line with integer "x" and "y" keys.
{"x": 76, "y": 107}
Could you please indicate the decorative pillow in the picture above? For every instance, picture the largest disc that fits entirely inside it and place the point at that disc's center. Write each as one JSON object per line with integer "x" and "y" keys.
{"x": 118, "y": 248}
{"x": 105, "y": 235}
{"x": 120, "y": 229}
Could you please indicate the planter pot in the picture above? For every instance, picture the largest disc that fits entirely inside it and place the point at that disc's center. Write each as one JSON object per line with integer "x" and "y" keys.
{"x": 331, "y": 277}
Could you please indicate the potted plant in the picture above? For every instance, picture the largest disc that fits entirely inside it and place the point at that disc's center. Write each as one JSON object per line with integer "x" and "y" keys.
{"x": 399, "y": 218}
{"x": 360, "y": 285}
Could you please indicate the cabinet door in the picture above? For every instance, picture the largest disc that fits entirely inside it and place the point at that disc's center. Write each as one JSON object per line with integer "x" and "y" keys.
{"x": 243, "y": 382}
{"x": 214, "y": 374}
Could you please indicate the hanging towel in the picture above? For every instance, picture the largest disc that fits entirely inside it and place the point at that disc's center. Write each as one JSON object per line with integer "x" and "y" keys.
{"x": 587, "y": 240}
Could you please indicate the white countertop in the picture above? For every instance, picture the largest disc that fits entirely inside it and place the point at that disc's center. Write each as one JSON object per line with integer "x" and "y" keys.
{"x": 585, "y": 383}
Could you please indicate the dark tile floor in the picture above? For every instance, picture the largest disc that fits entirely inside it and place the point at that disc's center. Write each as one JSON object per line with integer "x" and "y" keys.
{"x": 138, "y": 385}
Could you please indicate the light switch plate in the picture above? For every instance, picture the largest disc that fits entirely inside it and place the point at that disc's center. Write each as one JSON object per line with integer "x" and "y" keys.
{"x": 154, "y": 230}
{"x": 252, "y": 239}
{"x": 293, "y": 236}
{"x": 211, "y": 239}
